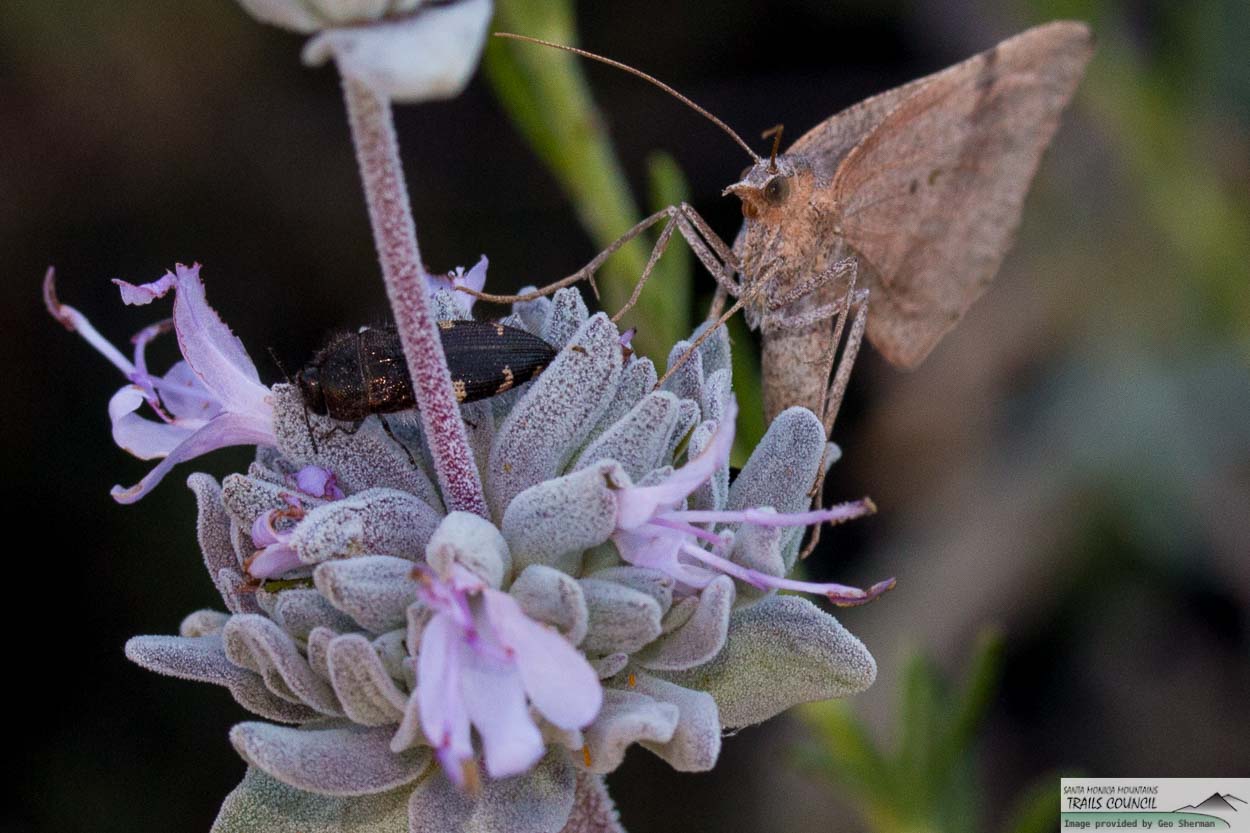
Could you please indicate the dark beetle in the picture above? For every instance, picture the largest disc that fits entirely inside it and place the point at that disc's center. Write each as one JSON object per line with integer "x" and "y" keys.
{"x": 363, "y": 373}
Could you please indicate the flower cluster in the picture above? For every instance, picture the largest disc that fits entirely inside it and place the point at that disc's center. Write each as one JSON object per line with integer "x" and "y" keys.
{"x": 425, "y": 670}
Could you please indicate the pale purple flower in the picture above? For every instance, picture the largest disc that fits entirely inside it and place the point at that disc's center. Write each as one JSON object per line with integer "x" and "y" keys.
{"x": 653, "y": 531}
{"x": 271, "y": 535}
{"x": 212, "y": 399}
{"x": 483, "y": 662}
{"x": 474, "y": 279}
{"x": 316, "y": 481}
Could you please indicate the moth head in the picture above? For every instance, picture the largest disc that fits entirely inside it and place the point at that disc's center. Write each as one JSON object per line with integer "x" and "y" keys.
{"x": 768, "y": 189}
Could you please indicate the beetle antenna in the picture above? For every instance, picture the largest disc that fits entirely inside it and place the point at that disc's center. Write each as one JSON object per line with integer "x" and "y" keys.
{"x": 775, "y": 132}
{"x": 312, "y": 437}
{"x": 273, "y": 354}
{"x": 639, "y": 73}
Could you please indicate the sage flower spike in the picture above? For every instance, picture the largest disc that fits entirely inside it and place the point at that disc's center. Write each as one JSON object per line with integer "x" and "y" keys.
{"x": 652, "y": 531}
{"x": 211, "y": 399}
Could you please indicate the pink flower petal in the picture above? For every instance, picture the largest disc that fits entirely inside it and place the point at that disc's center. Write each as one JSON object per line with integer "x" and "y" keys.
{"x": 138, "y": 295}
{"x": 474, "y": 279}
{"x": 144, "y": 438}
{"x": 273, "y": 561}
{"x": 316, "y": 481}
{"x": 439, "y": 695}
{"x": 495, "y": 700}
{"x": 184, "y": 395}
{"x": 659, "y": 550}
{"x": 636, "y": 505}
{"x": 76, "y": 322}
{"x": 560, "y": 682}
{"x": 214, "y": 353}
{"x": 219, "y": 432}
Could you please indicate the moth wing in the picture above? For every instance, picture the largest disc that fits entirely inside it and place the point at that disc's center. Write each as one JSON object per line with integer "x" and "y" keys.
{"x": 931, "y": 198}
{"x": 827, "y": 143}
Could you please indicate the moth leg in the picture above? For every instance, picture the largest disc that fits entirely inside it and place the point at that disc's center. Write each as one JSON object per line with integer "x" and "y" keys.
{"x": 842, "y": 267}
{"x": 773, "y": 322}
{"x": 723, "y": 251}
{"x": 837, "y": 388}
{"x": 719, "y": 259}
{"x": 587, "y": 272}
{"x": 716, "y": 257}
{"x": 703, "y": 336}
{"x": 661, "y": 245}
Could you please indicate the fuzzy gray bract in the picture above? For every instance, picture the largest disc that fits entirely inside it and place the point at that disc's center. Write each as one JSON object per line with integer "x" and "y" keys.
{"x": 332, "y": 652}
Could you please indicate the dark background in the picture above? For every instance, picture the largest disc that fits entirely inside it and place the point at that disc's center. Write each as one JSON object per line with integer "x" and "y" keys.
{"x": 1073, "y": 464}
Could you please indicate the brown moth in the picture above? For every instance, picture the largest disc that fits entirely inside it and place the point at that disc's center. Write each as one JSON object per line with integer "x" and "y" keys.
{"x": 909, "y": 198}
{"x": 923, "y": 185}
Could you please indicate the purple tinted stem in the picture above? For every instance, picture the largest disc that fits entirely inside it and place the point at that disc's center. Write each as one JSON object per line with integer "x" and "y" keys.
{"x": 395, "y": 235}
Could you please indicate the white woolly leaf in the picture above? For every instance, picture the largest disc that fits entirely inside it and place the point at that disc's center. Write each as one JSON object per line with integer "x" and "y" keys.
{"x": 638, "y": 377}
{"x": 299, "y": 610}
{"x": 538, "y": 801}
{"x": 700, "y": 638}
{"x": 472, "y": 542}
{"x": 203, "y": 659}
{"x": 368, "y": 694}
{"x": 782, "y": 470}
{"x": 556, "y": 521}
{"x": 203, "y": 623}
{"x": 621, "y": 619}
{"x": 373, "y": 521}
{"x": 554, "y": 598}
{"x": 656, "y": 584}
{"x": 258, "y": 644}
{"x": 568, "y": 313}
{"x": 627, "y": 717}
{"x": 593, "y": 811}
{"x": 638, "y": 440}
{"x": 780, "y": 652}
{"x": 544, "y": 429}
{"x": 360, "y": 457}
{"x": 336, "y": 758}
{"x": 374, "y": 590}
{"x": 212, "y": 526}
{"x": 262, "y": 803}
{"x": 695, "y": 744}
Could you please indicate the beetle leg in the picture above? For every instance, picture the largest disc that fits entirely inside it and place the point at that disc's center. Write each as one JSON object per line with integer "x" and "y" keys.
{"x": 386, "y": 426}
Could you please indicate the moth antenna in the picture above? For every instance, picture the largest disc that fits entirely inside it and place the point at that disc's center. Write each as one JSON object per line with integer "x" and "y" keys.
{"x": 640, "y": 74}
{"x": 775, "y": 132}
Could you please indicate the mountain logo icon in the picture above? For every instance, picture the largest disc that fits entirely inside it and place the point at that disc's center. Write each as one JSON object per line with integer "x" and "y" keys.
{"x": 1216, "y": 803}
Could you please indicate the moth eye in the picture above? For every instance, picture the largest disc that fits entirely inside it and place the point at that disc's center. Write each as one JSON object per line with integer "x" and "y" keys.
{"x": 745, "y": 171}
{"x": 749, "y": 210}
{"x": 777, "y": 189}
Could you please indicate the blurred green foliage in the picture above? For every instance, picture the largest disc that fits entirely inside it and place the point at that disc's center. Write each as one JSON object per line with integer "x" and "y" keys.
{"x": 928, "y": 783}
{"x": 545, "y": 92}
{"x": 1174, "y": 107}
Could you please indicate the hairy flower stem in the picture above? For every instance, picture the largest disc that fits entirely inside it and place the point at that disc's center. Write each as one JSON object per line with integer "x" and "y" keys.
{"x": 395, "y": 235}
